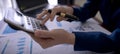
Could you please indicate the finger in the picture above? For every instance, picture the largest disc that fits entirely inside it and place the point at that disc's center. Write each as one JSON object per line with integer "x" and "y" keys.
{"x": 39, "y": 16}
{"x": 45, "y": 19}
{"x": 43, "y": 34}
{"x": 60, "y": 19}
{"x": 53, "y": 13}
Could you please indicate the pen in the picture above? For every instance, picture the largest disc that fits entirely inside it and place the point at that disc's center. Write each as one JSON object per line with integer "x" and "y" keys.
{"x": 72, "y": 17}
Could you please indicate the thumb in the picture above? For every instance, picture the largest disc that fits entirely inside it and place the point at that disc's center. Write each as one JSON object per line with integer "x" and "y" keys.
{"x": 43, "y": 34}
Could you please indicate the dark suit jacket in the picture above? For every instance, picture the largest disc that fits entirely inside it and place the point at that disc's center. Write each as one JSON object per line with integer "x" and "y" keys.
{"x": 98, "y": 41}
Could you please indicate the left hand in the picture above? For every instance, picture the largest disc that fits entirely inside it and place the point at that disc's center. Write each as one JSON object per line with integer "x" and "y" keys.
{"x": 55, "y": 10}
{"x": 54, "y": 37}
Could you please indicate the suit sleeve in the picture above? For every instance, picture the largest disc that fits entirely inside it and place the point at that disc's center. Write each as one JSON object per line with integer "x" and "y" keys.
{"x": 97, "y": 41}
{"x": 89, "y": 10}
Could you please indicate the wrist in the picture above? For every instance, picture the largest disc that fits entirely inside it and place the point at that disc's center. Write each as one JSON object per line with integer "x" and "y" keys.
{"x": 71, "y": 39}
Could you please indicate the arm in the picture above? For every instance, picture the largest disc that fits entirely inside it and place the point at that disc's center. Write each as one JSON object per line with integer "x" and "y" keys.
{"x": 88, "y": 10}
{"x": 97, "y": 41}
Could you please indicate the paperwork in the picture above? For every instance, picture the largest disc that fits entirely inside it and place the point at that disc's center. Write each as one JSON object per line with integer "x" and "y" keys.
{"x": 22, "y": 43}
{"x": 76, "y": 26}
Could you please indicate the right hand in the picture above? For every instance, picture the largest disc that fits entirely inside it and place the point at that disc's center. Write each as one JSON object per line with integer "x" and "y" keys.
{"x": 54, "y": 37}
{"x": 56, "y": 9}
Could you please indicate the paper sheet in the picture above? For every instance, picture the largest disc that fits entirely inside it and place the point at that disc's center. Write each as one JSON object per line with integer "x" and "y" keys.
{"x": 77, "y": 26}
{"x": 24, "y": 44}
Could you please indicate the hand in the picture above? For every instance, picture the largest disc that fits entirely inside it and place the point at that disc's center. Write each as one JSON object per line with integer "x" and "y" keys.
{"x": 54, "y": 37}
{"x": 56, "y": 9}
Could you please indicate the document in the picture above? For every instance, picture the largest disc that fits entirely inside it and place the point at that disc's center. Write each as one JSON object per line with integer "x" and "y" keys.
{"x": 24, "y": 44}
{"x": 76, "y": 26}
{"x": 21, "y": 42}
